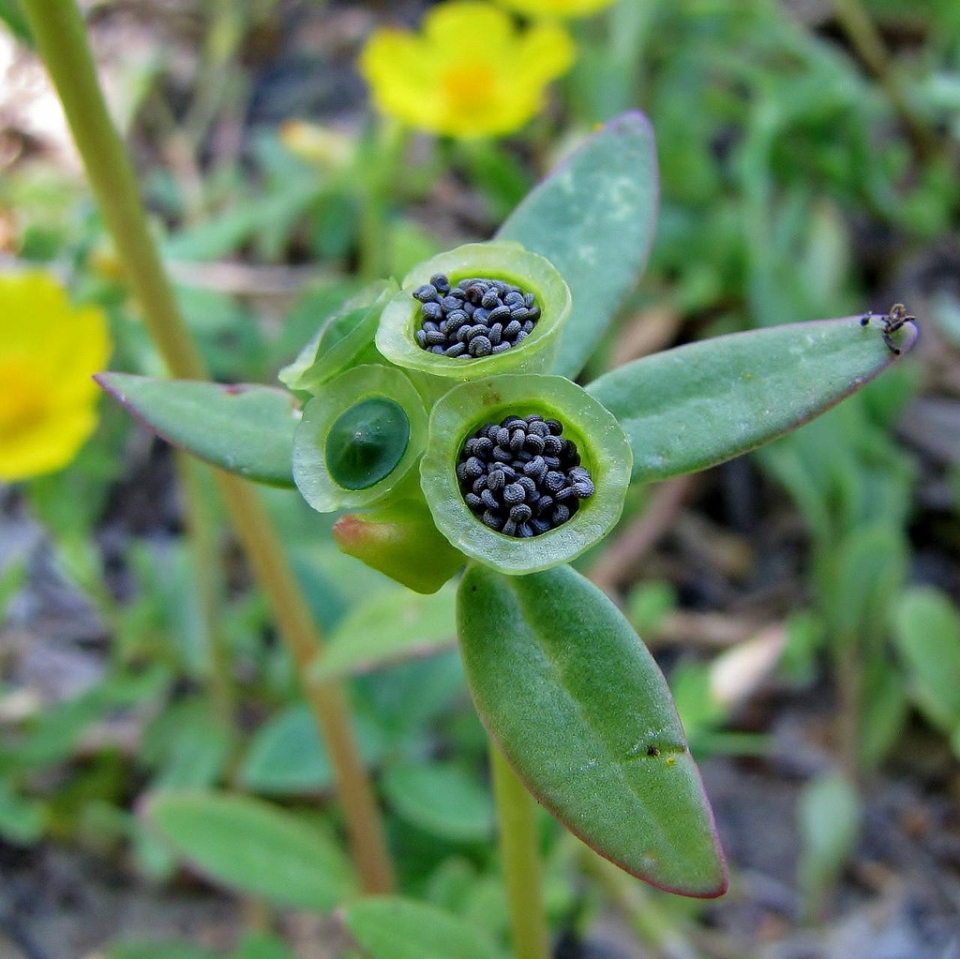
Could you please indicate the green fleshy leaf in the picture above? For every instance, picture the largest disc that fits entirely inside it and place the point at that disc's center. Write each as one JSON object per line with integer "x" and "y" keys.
{"x": 253, "y": 847}
{"x": 388, "y": 927}
{"x": 394, "y": 625}
{"x": 594, "y": 218}
{"x": 440, "y": 798}
{"x": 583, "y": 714}
{"x": 694, "y": 406}
{"x": 244, "y": 429}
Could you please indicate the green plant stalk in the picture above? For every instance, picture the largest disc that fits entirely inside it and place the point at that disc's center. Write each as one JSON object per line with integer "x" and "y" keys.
{"x": 61, "y": 40}
{"x": 520, "y": 857}
{"x": 203, "y": 529}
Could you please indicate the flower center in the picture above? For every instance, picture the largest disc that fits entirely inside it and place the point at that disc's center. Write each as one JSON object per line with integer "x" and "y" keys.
{"x": 23, "y": 402}
{"x": 477, "y": 317}
{"x": 469, "y": 86}
{"x": 366, "y": 443}
{"x": 520, "y": 477}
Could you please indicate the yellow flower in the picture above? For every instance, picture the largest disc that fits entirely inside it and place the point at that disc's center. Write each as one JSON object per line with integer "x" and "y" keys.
{"x": 48, "y": 352}
{"x": 470, "y": 73}
{"x": 556, "y": 8}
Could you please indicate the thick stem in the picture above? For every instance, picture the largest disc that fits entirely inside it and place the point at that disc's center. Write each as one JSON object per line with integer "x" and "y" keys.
{"x": 520, "y": 856}
{"x": 61, "y": 39}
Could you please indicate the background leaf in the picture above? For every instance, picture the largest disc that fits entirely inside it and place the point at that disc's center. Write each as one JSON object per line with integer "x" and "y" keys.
{"x": 388, "y": 927}
{"x": 928, "y": 640}
{"x": 594, "y": 218}
{"x": 584, "y": 715}
{"x": 440, "y": 798}
{"x": 694, "y": 406}
{"x": 245, "y": 429}
{"x": 393, "y": 625}
{"x": 253, "y": 847}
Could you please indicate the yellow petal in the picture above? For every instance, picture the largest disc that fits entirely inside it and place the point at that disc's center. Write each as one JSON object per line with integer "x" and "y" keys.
{"x": 49, "y": 351}
{"x": 557, "y": 8}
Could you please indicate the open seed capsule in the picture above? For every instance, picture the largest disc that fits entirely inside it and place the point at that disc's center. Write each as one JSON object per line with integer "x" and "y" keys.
{"x": 524, "y": 472}
{"x": 481, "y": 309}
{"x": 358, "y": 438}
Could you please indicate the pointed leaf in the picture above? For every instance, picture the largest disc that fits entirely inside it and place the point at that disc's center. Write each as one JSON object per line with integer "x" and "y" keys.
{"x": 584, "y": 715}
{"x": 245, "y": 429}
{"x": 594, "y": 218}
{"x": 388, "y": 927}
{"x": 391, "y": 626}
{"x": 253, "y": 847}
{"x": 694, "y": 406}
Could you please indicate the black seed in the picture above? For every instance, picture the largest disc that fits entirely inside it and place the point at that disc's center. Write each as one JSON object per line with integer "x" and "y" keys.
{"x": 583, "y": 488}
{"x": 511, "y": 329}
{"x": 480, "y": 346}
{"x": 431, "y": 311}
{"x": 527, "y": 483}
{"x": 536, "y": 468}
{"x": 513, "y": 298}
{"x": 436, "y": 348}
{"x": 513, "y": 494}
{"x": 490, "y": 300}
{"x": 533, "y": 442}
{"x": 435, "y": 337}
{"x": 501, "y": 348}
{"x": 496, "y": 331}
{"x": 495, "y": 480}
{"x": 483, "y": 447}
{"x": 472, "y": 500}
{"x": 422, "y": 339}
{"x": 499, "y": 313}
{"x": 519, "y": 314}
{"x": 509, "y": 528}
{"x": 489, "y": 500}
{"x": 521, "y": 513}
{"x": 458, "y": 349}
{"x": 555, "y": 426}
{"x": 504, "y": 456}
{"x": 517, "y": 439}
{"x": 479, "y": 485}
{"x": 474, "y": 468}
{"x": 529, "y": 300}
{"x": 440, "y": 281}
{"x": 560, "y": 515}
{"x": 552, "y": 444}
{"x": 425, "y": 293}
{"x": 554, "y": 481}
{"x": 493, "y": 520}
{"x": 539, "y": 526}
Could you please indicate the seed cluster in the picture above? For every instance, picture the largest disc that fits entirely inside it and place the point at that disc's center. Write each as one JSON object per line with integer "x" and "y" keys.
{"x": 477, "y": 317}
{"x": 520, "y": 477}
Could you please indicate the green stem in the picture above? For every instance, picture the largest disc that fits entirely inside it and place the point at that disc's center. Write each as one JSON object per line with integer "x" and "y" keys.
{"x": 61, "y": 39}
{"x": 517, "y": 815}
{"x": 204, "y": 535}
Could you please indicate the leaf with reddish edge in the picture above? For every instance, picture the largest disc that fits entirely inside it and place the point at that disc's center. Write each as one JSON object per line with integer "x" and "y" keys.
{"x": 244, "y": 428}
{"x": 585, "y": 717}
